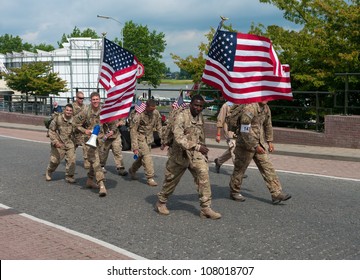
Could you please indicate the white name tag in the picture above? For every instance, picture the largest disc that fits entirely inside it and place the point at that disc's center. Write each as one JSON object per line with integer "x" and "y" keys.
{"x": 245, "y": 128}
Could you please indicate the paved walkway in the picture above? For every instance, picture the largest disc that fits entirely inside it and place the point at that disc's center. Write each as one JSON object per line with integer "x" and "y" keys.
{"x": 25, "y": 237}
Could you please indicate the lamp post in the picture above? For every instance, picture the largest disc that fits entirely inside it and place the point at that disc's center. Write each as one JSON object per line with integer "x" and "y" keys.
{"x": 121, "y": 31}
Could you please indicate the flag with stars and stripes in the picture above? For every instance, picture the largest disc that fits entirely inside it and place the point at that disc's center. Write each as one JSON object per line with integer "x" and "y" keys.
{"x": 118, "y": 73}
{"x": 246, "y": 69}
{"x": 179, "y": 103}
{"x": 140, "y": 106}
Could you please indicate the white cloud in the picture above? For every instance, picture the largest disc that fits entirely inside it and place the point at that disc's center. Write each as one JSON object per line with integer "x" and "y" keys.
{"x": 184, "y": 22}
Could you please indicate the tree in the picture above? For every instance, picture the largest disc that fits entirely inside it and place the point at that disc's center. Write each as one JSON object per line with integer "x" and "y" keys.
{"x": 148, "y": 47}
{"x": 77, "y": 33}
{"x": 35, "y": 78}
{"x": 9, "y": 44}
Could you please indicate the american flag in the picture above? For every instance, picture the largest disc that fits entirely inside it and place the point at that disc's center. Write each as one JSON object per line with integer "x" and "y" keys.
{"x": 246, "y": 68}
{"x": 118, "y": 74}
{"x": 140, "y": 106}
{"x": 179, "y": 103}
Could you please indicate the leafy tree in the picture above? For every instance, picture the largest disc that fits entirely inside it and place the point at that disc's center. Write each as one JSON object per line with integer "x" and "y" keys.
{"x": 148, "y": 47}
{"x": 35, "y": 78}
{"x": 9, "y": 44}
{"x": 77, "y": 33}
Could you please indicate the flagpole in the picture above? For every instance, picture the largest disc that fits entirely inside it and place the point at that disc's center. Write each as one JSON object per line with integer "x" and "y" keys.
{"x": 101, "y": 59}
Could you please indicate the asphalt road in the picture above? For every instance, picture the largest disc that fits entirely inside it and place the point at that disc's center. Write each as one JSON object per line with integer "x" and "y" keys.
{"x": 321, "y": 221}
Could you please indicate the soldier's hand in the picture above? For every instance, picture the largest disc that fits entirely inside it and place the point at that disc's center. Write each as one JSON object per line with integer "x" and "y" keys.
{"x": 260, "y": 150}
{"x": 204, "y": 150}
{"x": 136, "y": 152}
{"x": 162, "y": 147}
{"x": 218, "y": 138}
{"x": 271, "y": 147}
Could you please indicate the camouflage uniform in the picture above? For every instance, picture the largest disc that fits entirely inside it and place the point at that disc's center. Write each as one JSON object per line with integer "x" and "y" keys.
{"x": 230, "y": 136}
{"x": 188, "y": 133}
{"x": 79, "y": 137}
{"x": 254, "y": 129}
{"x": 142, "y": 127}
{"x": 113, "y": 142}
{"x": 87, "y": 119}
{"x": 62, "y": 131}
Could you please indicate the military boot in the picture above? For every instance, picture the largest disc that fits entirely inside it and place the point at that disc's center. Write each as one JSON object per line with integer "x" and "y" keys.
{"x": 70, "y": 179}
{"x": 48, "y": 175}
{"x": 91, "y": 184}
{"x": 207, "y": 212}
{"x": 217, "y": 165}
{"x": 132, "y": 174}
{"x": 122, "y": 171}
{"x": 161, "y": 208}
{"x": 280, "y": 197}
{"x": 102, "y": 191}
{"x": 151, "y": 182}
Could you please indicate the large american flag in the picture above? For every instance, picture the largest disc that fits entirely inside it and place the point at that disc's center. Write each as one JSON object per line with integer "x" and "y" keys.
{"x": 246, "y": 68}
{"x": 118, "y": 74}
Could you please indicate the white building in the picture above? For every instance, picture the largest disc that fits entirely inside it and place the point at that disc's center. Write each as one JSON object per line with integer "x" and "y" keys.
{"x": 78, "y": 63}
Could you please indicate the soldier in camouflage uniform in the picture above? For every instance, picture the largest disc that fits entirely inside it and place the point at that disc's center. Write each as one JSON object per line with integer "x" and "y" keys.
{"x": 112, "y": 141}
{"x": 142, "y": 127}
{"x": 188, "y": 151}
{"x": 79, "y": 106}
{"x": 254, "y": 135}
{"x": 85, "y": 122}
{"x": 61, "y": 133}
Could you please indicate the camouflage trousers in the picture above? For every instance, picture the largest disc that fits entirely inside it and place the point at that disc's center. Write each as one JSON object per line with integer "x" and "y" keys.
{"x": 95, "y": 166}
{"x": 243, "y": 158}
{"x": 116, "y": 147}
{"x": 57, "y": 155}
{"x": 144, "y": 159}
{"x": 175, "y": 169}
{"x": 229, "y": 152}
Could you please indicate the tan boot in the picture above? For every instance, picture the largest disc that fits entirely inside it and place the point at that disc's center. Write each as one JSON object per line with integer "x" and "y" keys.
{"x": 70, "y": 179}
{"x": 91, "y": 184}
{"x": 151, "y": 182}
{"x": 132, "y": 174}
{"x": 161, "y": 208}
{"x": 48, "y": 175}
{"x": 102, "y": 191}
{"x": 121, "y": 171}
{"x": 207, "y": 212}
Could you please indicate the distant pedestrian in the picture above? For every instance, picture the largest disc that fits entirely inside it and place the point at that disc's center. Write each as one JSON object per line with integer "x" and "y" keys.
{"x": 57, "y": 108}
{"x": 254, "y": 138}
{"x": 61, "y": 133}
{"x": 188, "y": 151}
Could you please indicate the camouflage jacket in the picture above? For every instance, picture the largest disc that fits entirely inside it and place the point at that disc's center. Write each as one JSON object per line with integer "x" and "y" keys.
{"x": 254, "y": 126}
{"x": 188, "y": 133}
{"x": 142, "y": 127}
{"x": 87, "y": 119}
{"x": 61, "y": 130}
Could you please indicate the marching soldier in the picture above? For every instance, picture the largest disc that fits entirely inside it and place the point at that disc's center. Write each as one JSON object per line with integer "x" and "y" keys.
{"x": 86, "y": 120}
{"x": 254, "y": 137}
{"x": 142, "y": 126}
{"x": 188, "y": 151}
{"x": 61, "y": 133}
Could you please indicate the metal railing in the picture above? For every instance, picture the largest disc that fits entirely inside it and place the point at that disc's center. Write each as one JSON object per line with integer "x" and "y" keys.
{"x": 307, "y": 110}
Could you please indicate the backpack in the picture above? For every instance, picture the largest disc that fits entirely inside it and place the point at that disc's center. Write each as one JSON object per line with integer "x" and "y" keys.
{"x": 232, "y": 117}
{"x": 47, "y": 122}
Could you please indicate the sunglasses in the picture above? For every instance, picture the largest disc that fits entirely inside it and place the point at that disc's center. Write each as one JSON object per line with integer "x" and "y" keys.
{"x": 80, "y": 97}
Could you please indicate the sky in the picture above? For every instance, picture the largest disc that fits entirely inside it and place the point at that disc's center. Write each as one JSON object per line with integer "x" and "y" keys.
{"x": 184, "y": 22}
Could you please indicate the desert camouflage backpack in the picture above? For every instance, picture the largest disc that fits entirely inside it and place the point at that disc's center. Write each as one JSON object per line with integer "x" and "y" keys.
{"x": 232, "y": 117}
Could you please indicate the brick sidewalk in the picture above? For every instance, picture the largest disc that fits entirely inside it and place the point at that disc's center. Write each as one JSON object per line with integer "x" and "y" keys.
{"x": 23, "y": 237}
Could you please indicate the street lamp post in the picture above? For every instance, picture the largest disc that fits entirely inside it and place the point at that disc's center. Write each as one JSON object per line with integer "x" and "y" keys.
{"x": 121, "y": 30}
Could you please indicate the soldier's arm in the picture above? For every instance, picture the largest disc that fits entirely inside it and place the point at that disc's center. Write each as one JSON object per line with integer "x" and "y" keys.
{"x": 53, "y": 134}
{"x": 134, "y": 125}
{"x": 79, "y": 121}
{"x": 181, "y": 135}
